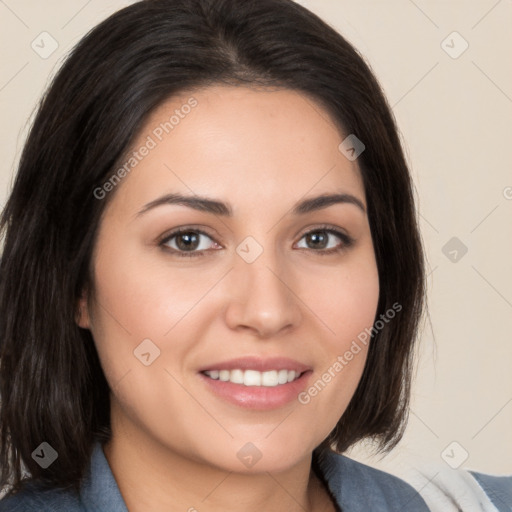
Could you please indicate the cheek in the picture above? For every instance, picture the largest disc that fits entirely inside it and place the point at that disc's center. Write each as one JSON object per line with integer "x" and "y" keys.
{"x": 345, "y": 300}
{"x": 139, "y": 311}
{"x": 346, "y": 304}
{"x": 141, "y": 298}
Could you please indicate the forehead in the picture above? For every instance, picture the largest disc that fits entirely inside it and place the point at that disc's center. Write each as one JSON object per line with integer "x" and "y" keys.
{"x": 250, "y": 145}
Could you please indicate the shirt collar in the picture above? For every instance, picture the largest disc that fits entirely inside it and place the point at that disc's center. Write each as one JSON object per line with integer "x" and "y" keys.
{"x": 100, "y": 491}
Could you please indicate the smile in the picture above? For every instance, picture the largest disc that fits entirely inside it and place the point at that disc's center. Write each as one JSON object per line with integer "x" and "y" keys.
{"x": 271, "y": 378}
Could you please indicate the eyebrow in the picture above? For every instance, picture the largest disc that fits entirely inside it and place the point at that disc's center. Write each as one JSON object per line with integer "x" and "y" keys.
{"x": 216, "y": 207}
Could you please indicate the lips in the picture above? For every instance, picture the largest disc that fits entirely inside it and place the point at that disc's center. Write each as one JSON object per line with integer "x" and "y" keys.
{"x": 259, "y": 364}
{"x": 256, "y": 383}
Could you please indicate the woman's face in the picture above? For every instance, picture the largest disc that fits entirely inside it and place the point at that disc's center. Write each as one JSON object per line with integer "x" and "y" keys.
{"x": 258, "y": 286}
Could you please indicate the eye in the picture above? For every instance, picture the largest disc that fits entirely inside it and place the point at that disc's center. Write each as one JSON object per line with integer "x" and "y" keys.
{"x": 191, "y": 242}
{"x": 188, "y": 242}
{"x": 323, "y": 240}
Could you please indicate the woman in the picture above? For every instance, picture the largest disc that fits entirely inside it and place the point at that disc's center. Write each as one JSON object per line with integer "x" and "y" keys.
{"x": 212, "y": 275}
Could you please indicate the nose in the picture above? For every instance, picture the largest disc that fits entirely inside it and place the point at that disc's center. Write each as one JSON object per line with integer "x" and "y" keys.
{"x": 263, "y": 299}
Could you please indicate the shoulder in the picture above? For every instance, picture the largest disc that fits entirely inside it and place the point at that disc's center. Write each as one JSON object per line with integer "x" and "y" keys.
{"x": 447, "y": 489}
{"x": 98, "y": 491}
{"x": 498, "y": 488}
{"x": 358, "y": 487}
{"x": 35, "y": 498}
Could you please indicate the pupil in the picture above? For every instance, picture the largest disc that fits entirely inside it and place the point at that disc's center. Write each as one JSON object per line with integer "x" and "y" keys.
{"x": 317, "y": 237}
{"x": 191, "y": 241}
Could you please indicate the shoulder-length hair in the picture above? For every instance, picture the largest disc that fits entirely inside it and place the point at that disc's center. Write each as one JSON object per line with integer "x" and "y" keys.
{"x": 52, "y": 387}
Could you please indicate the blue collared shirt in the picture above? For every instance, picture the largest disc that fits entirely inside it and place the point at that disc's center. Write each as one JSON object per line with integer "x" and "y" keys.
{"x": 355, "y": 487}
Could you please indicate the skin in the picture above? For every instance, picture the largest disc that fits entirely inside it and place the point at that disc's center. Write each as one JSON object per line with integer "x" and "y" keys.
{"x": 174, "y": 445}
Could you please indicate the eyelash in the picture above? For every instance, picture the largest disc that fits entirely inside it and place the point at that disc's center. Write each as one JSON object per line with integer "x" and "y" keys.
{"x": 346, "y": 241}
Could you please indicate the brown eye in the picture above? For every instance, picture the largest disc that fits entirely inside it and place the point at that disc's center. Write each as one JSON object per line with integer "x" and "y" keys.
{"x": 317, "y": 239}
{"x": 323, "y": 241}
{"x": 188, "y": 242}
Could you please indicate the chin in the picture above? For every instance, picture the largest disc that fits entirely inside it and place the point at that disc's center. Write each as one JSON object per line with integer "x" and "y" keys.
{"x": 258, "y": 456}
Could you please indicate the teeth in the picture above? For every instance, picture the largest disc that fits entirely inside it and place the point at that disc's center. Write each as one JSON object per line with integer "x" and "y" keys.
{"x": 269, "y": 379}
{"x": 282, "y": 376}
{"x": 237, "y": 376}
{"x": 251, "y": 377}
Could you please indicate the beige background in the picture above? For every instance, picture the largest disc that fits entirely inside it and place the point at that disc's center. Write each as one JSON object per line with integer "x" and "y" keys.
{"x": 455, "y": 116}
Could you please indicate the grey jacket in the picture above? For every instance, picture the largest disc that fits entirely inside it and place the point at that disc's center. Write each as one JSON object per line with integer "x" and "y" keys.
{"x": 356, "y": 487}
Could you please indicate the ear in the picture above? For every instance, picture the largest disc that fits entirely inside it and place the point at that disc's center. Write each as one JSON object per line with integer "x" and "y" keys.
{"x": 82, "y": 317}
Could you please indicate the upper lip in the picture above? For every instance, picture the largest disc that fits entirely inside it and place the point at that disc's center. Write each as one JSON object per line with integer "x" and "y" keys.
{"x": 259, "y": 364}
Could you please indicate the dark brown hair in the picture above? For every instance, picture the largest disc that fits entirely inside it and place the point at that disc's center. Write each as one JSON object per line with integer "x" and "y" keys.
{"x": 52, "y": 387}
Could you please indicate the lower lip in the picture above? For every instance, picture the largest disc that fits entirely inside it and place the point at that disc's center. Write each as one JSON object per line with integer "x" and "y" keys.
{"x": 258, "y": 397}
